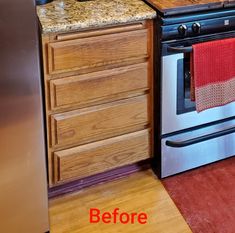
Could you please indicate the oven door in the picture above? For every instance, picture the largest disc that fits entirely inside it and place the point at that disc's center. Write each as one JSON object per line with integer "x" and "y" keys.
{"x": 197, "y": 147}
{"x": 178, "y": 111}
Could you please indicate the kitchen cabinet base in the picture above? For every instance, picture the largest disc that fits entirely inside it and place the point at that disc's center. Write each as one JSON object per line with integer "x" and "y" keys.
{"x": 98, "y": 178}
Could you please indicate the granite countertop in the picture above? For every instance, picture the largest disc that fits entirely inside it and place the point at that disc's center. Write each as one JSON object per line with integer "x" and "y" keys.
{"x": 71, "y": 15}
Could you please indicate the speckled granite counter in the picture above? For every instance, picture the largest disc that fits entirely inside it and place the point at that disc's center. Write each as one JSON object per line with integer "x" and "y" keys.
{"x": 70, "y": 15}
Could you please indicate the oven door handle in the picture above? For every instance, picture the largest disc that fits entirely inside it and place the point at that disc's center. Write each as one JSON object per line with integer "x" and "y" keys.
{"x": 180, "y": 49}
{"x": 200, "y": 139}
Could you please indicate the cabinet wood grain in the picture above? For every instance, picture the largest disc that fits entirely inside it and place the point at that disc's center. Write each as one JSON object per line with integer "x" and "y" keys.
{"x": 93, "y": 87}
{"x": 98, "y": 87}
{"x": 96, "y": 51}
{"x": 93, "y": 158}
{"x": 99, "y": 122}
{"x": 101, "y": 31}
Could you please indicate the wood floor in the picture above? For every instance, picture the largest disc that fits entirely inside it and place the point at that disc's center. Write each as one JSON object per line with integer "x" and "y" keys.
{"x": 140, "y": 192}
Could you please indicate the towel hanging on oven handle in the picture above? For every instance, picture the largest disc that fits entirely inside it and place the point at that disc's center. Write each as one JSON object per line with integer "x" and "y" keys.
{"x": 180, "y": 49}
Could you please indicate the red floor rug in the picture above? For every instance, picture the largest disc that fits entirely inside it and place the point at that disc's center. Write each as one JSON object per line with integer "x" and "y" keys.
{"x": 206, "y": 197}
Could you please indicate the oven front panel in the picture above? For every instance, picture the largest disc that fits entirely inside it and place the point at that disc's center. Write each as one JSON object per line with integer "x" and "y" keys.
{"x": 178, "y": 112}
{"x": 184, "y": 138}
{"x": 175, "y": 159}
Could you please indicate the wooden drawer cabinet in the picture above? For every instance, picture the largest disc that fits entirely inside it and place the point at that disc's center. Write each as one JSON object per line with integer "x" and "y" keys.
{"x": 101, "y": 156}
{"x": 104, "y": 85}
{"x": 98, "y": 98}
{"x": 96, "y": 51}
{"x": 102, "y": 121}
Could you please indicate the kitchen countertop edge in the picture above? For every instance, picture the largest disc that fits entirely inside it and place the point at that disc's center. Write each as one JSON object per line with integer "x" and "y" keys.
{"x": 51, "y": 22}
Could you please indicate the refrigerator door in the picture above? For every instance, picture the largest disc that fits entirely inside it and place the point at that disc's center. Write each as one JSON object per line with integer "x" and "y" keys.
{"x": 23, "y": 187}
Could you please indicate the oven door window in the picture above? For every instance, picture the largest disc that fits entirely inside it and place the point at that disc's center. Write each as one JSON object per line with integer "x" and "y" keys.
{"x": 184, "y": 103}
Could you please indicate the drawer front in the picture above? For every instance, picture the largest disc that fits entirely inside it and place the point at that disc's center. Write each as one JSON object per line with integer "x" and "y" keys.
{"x": 96, "y": 51}
{"x": 93, "y": 158}
{"x": 88, "y": 88}
{"x": 99, "y": 122}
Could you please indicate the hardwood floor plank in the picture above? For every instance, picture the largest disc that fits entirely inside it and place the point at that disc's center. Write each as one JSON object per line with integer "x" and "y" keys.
{"x": 140, "y": 192}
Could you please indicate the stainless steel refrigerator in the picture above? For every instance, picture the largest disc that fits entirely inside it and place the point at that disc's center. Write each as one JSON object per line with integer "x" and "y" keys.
{"x": 23, "y": 187}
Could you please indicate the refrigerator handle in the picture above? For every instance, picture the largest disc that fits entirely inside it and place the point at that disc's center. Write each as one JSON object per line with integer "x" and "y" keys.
{"x": 200, "y": 139}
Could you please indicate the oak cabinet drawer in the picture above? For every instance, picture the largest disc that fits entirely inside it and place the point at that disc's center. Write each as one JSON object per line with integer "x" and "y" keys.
{"x": 101, "y": 156}
{"x": 88, "y": 88}
{"x": 97, "y": 51}
{"x": 99, "y": 122}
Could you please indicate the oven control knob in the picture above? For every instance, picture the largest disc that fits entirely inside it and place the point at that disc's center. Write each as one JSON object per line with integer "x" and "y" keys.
{"x": 182, "y": 29}
{"x": 196, "y": 27}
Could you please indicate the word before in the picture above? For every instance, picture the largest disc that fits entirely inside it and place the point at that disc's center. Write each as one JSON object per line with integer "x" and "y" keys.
{"x": 115, "y": 217}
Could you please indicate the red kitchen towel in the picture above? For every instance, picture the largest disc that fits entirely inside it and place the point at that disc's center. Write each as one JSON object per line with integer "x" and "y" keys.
{"x": 213, "y": 73}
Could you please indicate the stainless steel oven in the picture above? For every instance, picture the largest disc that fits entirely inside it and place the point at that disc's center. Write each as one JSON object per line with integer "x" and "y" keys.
{"x": 186, "y": 139}
{"x": 179, "y": 112}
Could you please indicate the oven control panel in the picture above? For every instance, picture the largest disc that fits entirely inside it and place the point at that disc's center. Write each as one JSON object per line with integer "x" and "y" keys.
{"x": 183, "y": 29}
{"x": 197, "y": 28}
